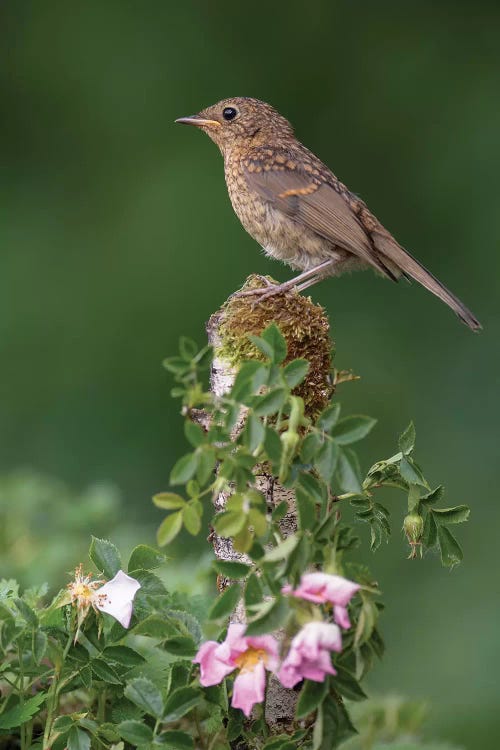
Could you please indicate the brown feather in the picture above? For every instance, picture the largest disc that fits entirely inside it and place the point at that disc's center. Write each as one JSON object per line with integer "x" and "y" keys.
{"x": 387, "y": 245}
{"x": 318, "y": 206}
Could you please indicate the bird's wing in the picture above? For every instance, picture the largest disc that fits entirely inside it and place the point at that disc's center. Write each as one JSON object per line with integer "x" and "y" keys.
{"x": 315, "y": 204}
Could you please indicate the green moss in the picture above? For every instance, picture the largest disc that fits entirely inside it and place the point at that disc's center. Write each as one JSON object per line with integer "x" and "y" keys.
{"x": 304, "y": 325}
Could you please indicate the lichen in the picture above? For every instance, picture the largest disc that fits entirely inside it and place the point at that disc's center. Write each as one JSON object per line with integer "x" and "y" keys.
{"x": 304, "y": 325}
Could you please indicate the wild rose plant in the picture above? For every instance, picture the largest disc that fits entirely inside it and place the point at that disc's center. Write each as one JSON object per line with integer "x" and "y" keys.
{"x": 119, "y": 660}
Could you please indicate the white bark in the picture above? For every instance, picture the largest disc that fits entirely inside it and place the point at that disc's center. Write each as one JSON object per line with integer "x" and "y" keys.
{"x": 280, "y": 702}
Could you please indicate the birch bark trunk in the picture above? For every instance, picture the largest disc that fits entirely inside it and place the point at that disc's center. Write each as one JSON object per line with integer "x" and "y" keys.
{"x": 306, "y": 329}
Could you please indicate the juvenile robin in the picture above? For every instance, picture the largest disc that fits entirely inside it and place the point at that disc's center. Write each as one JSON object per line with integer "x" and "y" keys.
{"x": 296, "y": 208}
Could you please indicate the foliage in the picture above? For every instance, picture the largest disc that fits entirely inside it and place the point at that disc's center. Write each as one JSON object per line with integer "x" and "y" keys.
{"x": 75, "y": 678}
{"x": 107, "y": 685}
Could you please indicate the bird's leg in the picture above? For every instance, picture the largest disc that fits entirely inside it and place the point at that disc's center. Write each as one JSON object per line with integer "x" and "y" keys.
{"x": 309, "y": 282}
{"x": 298, "y": 281}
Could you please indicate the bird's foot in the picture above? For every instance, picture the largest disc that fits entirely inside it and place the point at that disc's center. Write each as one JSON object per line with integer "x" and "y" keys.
{"x": 264, "y": 292}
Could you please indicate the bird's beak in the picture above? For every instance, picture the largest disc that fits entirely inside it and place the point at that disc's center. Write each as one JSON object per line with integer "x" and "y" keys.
{"x": 200, "y": 122}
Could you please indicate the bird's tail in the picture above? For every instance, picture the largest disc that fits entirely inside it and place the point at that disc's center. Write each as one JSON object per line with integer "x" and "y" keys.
{"x": 390, "y": 249}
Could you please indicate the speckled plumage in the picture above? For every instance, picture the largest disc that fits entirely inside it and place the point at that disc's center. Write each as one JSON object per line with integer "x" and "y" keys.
{"x": 297, "y": 209}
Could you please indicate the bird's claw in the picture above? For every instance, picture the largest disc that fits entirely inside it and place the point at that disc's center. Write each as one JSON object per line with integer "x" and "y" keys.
{"x": 262, "y": 293}
{"x": 257, "y": 290}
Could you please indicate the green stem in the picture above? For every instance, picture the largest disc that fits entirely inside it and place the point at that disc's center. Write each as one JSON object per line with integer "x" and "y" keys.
{"x": 101, "y": 706}
{"x": 21, "y": 693}
{"x": 198, "y": 729}
{"x": 53, "y": 696}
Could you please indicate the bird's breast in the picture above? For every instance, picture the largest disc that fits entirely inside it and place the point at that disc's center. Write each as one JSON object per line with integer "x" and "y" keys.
{"x": 279, "y": 235}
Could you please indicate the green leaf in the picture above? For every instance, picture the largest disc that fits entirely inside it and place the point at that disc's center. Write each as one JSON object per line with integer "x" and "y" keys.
{"x": 251, "y": 375}
{"x": 180, "y": 645}
{"x": 143, "y": 557}
{"x": 457, "y": 514}
{"x": 62, "y": 725}
{"x": 432, "y": 497}
{"x": 329, "y": 417}
{"x": 273, "y": 336}
{"x": 270, "y": 403}
{"x": 332, "y": 725}
{"x": 169, "y": 528}
{"x": 347, "y": 684}
{"x": 123, "y": 655}
{"x": 451, "y": 552}
{"x": 105, "y": 672}
{"x": 262, "y": 346}
{"x": 311, "y": 487}
{"x": 253, "y": 591}
{"x": 145, "y": 695}
{"x": 282, "y": 550}
{"x": 429, "y": 534}
{"x": 40, "y": 643}
{"x": 272, "y": 445}
{"x": 26, "y": 613}
{"x": 295, "y": 372}
{"x": 406, "y": 440}
{"x": 225, "y": 603}
{"x": 168, "y": 501}
{"x": 311, "y": 695}
{"x": 310, "y": 446}
{"x": 78, "y": 739}
{"x": 187, "y": 348}
{"x": 271, "y": 616}
{"x": 20, "y": 714}
{"x": 305, "y": 510}
{"x": 351, "y": 429}
{"x": 195, "y": 434}
{"x": 234, "y": 570}
{"x": 229, "y": 523}
{"x": 192, "y": 520}
{"x": 135, "y": 732}
{"x": 411, "y": 472}
{"x": 180, "y": 702}
{"x": 348, "y": 471}
{"x": 184, "y": 469}
{"x": 206, "y": 464}
{"x": 280, "y": 742}
{"x": 326, "y": 460}
{"x": 253, "y": 433}
{"x": 280, "y": 511}
{"x": 105, "y": 557}
{"x": 175, "y": 740}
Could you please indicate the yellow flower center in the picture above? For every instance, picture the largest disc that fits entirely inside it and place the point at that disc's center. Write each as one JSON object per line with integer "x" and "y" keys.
{"x": 250, "y": 658}
{"x": 81, "y": 590}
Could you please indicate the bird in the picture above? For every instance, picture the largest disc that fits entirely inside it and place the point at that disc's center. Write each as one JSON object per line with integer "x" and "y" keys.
{"x": 298, "y": 210}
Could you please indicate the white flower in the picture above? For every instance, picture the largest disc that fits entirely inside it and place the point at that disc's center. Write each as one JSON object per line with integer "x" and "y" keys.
{"x": 116, "y": 597}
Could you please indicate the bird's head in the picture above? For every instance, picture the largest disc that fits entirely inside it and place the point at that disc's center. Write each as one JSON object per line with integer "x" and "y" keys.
{"x": 240, "y": 122}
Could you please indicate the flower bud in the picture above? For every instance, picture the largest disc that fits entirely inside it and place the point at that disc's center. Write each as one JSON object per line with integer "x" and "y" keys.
{"x": 289, "y": 442}
{"x": 413, "y": 526}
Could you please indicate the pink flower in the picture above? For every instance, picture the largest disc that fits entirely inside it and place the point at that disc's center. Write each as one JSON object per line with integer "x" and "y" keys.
{"x": 320, "y": 588}
{"x": 309, "y": 654}
{"x": 252, "y": 655}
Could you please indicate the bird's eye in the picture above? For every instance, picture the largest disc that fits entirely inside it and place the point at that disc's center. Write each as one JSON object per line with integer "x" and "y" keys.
{"x": 229, "y": 113}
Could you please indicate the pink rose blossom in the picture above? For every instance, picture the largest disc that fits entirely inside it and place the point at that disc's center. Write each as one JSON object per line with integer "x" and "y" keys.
{"x": 252, "y": 655}
{"x": 320, "y": 588}
{"x": 309, "y": 654}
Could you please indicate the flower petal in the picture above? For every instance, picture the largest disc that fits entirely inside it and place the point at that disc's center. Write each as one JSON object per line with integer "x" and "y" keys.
{"x": 248, "y": 689}
{"x": 341, "y": 616}
{"x": 213, "y": 669}
{"x": 116, "y": 597}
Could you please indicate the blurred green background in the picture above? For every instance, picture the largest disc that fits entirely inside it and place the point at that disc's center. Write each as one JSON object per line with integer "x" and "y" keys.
{"x": 117, "y": 237}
